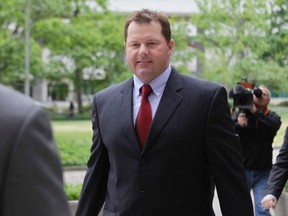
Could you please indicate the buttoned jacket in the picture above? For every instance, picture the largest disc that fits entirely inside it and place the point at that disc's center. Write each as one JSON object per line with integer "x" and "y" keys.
{"x": 190, "y": 140}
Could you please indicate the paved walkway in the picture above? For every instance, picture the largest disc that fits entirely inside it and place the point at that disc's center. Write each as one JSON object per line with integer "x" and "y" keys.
{"x": 76, "y": 176}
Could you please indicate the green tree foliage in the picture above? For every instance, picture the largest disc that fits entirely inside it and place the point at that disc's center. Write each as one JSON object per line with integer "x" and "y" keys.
{"x": 234, "y": 37}
{"x": 12, "y": 18}
{"x": 78, "y": 36}
{"x": 88, "y": 39}
{"x": 183, "y": 53}
{"x": 278, "y": 33}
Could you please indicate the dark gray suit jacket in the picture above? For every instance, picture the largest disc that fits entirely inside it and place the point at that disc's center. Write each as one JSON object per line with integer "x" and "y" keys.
{"x": 30, "y": 170}
{"x": 191, "y": 139}
{"x": 279, "y": 172}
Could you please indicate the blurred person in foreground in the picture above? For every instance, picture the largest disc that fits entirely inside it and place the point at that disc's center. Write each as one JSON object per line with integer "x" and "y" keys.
{"x": 30, "y": 169}
{"x": 257, "y": 128}
{"x": 278, "y": 176}
{"x": 191, "y": 137}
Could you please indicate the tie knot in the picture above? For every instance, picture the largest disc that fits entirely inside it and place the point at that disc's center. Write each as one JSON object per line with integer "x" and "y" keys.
{"x": 146, "y": 90}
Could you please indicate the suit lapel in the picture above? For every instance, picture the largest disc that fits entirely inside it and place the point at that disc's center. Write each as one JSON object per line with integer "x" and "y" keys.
{"x": 170, "y": 100}
{"x": 125, "y": 104}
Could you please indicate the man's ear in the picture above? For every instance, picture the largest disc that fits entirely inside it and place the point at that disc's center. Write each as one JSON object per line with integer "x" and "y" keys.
{"x": 171, "y": 47}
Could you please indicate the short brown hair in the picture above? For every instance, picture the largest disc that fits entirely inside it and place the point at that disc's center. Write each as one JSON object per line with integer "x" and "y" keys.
{"x": 147, "y": 16}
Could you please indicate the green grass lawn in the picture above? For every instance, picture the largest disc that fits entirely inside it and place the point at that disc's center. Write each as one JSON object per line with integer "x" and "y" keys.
{"x": 278, "y": 140}
{"x": 74, "y": 139}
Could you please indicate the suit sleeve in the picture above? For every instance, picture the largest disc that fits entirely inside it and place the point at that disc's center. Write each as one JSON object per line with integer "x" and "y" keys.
{"x": 279, "y": 172}
{"x": 34, "y": 183}
{"x": 95, "y": 182}
{"x": 224, "y": 155}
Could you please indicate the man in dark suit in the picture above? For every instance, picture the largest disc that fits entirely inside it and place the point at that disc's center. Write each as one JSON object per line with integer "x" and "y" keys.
{"x": 30, "y": 169}
{"x": 278, "y": 176}
{"x": 191, "y": 138}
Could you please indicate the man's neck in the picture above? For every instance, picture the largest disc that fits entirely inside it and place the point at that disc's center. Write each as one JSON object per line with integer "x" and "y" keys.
{"x": 263, "y": 109}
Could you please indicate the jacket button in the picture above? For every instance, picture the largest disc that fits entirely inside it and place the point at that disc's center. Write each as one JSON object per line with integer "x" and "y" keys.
{"x": 142, "y": 161}
{"x": 142, "y": 194}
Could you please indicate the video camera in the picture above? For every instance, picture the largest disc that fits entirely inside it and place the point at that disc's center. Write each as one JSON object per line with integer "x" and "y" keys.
{"x": 242, "y": 94}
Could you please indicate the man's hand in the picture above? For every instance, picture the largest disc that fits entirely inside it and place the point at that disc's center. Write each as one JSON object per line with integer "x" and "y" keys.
{"x": 269, "y": 201}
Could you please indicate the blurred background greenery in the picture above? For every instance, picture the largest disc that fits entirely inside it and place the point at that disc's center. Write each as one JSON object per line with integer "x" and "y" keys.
{"x": 74, "y": 138}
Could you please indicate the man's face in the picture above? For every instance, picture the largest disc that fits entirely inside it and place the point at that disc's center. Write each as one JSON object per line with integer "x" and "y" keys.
{"x": 147, "y": 51}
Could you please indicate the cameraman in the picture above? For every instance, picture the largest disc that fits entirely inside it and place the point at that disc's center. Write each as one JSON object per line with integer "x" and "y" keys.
{"x": 257, "y": 128}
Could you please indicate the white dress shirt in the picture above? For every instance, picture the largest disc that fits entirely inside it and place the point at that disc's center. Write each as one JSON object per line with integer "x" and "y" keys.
{"x": 158, "y": 85}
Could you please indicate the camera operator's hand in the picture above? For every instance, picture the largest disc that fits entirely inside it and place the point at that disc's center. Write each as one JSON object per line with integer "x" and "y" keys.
{"x": 242, "y": 120}
{"x": 254, "y": 108}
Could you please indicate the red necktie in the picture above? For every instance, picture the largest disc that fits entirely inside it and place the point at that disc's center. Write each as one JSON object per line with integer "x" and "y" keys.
{"x": 144, "y": 117}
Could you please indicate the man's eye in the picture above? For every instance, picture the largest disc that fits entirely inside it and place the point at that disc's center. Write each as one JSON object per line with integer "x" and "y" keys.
{"x": 134, "y": 45}
{"x": 152, "y": 43}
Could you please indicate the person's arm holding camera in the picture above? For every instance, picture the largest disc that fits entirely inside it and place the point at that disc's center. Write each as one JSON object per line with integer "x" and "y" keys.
{"x": 272, "y": 122}
{"x": 260, "y": 110}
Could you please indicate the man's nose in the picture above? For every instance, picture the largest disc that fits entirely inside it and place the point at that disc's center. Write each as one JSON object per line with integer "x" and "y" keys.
{"x": 143, "y": 50}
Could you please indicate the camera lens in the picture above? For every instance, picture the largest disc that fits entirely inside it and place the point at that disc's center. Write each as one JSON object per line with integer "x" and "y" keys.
{"x": 258, "y": 93}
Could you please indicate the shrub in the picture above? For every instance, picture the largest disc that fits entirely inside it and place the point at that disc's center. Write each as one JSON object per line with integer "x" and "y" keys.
{"x": 283, "y": 104}
{"x": 73, "y": 191}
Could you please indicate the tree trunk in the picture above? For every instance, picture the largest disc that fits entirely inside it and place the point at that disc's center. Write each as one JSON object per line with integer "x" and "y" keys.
{"x": 79, "y": 89}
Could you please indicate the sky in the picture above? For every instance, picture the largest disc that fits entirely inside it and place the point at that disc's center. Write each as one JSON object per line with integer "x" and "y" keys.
{"x": 166, "y": 6}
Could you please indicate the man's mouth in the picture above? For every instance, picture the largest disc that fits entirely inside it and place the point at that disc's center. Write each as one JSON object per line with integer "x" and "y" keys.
{"x": 144, "y": 61}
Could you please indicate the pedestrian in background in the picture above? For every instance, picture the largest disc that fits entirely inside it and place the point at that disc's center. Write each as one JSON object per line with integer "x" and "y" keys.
{"x": 160, "y": 136}
{"x": 30, "y": 169}
{"x": 71, "y": 109}
{"x": 257, "y": 128}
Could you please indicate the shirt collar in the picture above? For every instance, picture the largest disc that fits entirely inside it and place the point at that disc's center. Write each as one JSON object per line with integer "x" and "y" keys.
{"x": 157, "y": 84}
